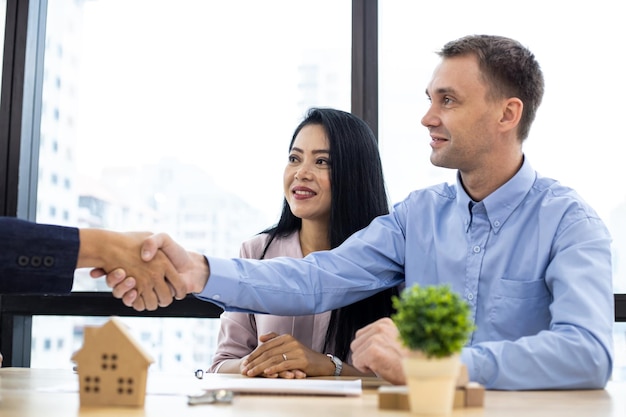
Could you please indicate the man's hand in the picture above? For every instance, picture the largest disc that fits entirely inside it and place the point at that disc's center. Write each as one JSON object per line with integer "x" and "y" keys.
{"x": 155, "y": 283}
{"x": 192, "y": 270}
{"x": 377, "y": 348}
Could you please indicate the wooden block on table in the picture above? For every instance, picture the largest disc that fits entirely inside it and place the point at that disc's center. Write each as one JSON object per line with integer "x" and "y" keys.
{"x": 395, "y": 397}
{"x": 474, "y": 395}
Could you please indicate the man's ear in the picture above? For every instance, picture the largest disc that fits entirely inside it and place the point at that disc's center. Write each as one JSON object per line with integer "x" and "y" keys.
{"x": 511, "y": 114}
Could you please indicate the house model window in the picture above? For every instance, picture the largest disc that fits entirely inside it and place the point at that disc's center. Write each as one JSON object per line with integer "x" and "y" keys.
{"x": 112, "y": 367}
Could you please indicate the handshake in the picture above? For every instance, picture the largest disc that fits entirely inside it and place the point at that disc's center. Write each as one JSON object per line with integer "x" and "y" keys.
{"x": 144, "y": 270}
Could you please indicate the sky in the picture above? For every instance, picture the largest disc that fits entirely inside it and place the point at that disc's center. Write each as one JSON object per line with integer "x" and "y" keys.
{"x": 218, "y": 88}
{"x": 211, "y": 86}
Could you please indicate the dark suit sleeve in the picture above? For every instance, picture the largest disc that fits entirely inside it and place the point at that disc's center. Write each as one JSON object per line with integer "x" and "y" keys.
{"x": 36, "y": 258}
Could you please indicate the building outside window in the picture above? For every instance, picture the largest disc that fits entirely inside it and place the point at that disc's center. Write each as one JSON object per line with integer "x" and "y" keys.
{"x": 182, "y": 126}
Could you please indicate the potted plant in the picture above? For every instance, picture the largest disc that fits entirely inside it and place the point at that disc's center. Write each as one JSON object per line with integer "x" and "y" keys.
{"x": 434, "y": 323}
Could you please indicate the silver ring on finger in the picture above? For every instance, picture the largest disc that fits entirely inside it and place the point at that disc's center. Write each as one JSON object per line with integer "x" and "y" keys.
{"x": 284, "y": 356}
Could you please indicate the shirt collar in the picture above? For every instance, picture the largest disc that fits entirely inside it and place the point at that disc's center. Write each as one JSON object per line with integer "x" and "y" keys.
{"x": 500, "y": 204}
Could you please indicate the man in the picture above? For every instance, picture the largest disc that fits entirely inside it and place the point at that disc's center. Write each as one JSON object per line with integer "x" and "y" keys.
{"x": 41, "y": 259}
{"x": 531, "y": 258}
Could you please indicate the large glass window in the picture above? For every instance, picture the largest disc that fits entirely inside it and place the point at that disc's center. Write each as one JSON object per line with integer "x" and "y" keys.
{"x": 573, "y": 138}
{"x": 176, "y": 116}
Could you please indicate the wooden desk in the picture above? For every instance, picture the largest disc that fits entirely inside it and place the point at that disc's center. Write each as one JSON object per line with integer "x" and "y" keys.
{"x": 23, "y": 394}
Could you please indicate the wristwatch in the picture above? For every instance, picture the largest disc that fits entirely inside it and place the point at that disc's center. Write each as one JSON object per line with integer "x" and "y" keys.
{"x": 337, "y": 362}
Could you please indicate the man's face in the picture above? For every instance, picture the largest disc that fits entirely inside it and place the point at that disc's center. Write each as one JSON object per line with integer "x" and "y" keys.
{"x": 461, "y": 120}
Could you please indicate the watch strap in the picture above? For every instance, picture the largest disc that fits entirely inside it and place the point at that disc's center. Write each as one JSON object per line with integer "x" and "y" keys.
{"x": 337, "y": 362}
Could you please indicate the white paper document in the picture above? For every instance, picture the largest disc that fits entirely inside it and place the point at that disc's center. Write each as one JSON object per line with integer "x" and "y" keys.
{"x": 178, "y": 384}
{"x": 280, "y": 386}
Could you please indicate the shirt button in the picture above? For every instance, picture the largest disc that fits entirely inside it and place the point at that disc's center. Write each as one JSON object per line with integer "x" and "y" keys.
{"x": 216, "y": 297}
{"x": 476, "y": 249}
{"x": 496, "y": 223}
{"x": 470, "y": 296}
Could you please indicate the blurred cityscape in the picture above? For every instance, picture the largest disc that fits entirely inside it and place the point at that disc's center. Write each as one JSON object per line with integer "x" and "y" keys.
{"x": 168, "y": 195}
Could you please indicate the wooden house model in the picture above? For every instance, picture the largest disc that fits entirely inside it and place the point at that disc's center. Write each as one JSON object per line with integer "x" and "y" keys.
{"x": 112, "y": 367}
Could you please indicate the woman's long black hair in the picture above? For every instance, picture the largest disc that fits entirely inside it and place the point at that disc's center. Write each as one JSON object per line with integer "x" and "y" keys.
{"x": 357, "y": 196}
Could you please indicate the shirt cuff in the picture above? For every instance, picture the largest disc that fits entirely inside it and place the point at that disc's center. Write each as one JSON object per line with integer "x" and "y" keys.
{"x": 223, "y": 285}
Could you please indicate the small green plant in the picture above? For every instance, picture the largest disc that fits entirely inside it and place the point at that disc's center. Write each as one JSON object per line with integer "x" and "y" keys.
{"x": 433, "y": 320}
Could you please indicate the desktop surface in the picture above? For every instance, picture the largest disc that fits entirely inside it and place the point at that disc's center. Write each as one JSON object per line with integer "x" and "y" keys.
{"x": 26, "y": 392}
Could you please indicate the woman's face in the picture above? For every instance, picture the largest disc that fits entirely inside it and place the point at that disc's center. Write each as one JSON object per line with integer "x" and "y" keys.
{"x": 307, "y": 175}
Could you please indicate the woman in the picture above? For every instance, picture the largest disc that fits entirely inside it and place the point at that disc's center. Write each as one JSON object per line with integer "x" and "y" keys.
{"x": 334, "y": 186}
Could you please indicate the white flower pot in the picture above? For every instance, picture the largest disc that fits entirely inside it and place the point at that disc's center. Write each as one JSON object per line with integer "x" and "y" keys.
{"x": 431, "y": 383}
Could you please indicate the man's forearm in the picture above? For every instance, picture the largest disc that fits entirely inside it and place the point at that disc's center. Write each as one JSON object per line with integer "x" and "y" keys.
{"x": 199, "y": 276}
{"x": 91, "y": 253}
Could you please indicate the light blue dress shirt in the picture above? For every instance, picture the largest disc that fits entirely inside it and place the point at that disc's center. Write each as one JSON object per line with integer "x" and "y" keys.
{"x": 533, "y": 261}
